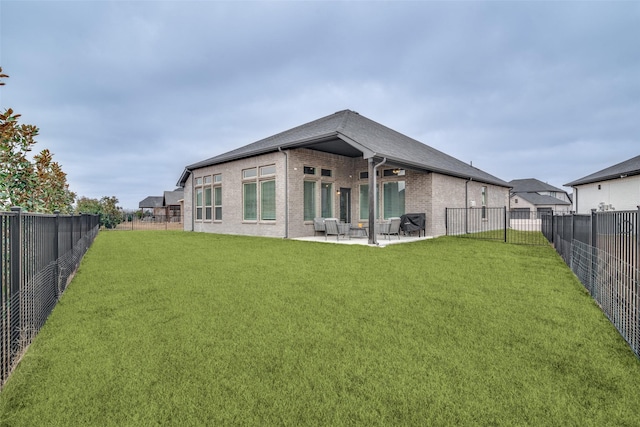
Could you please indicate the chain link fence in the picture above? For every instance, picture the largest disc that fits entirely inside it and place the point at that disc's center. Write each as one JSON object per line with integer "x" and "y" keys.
{"x": 39, "y": 255}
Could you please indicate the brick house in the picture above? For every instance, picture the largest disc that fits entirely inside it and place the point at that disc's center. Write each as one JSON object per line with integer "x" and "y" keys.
{"x": 329, "y": 168}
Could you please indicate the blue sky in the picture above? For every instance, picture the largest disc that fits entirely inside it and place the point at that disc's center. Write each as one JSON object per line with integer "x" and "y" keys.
{"x": 126, "y": 94}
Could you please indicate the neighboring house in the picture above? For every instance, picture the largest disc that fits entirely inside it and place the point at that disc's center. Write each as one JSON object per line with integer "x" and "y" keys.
{"x": 532, "y": 195}
{"x": 614, "y": 188}
{"x": 330, "y": 167}
{"x": 167, "y": 206}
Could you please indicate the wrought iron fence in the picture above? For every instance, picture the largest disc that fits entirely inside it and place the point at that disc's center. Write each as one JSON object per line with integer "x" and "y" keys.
{"x": 520, "y": 227}
{"x": 38, "y": 256}
{"x": 150, "y": 222}
{"x": 603, "y": 250}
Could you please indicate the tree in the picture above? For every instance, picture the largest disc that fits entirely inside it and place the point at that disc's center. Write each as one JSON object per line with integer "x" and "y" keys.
{"x": 39, "y": 187}
{"x": 106, "y": 207}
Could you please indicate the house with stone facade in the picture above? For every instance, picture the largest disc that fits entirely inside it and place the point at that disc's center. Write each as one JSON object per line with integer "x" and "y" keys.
{"x": 343, "y": 165}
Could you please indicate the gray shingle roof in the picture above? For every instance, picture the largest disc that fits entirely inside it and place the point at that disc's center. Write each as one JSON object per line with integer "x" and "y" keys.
{"x": 531, "y": 185}
{"x": 628, "y": 167}
{"x": 537, "y": 199}
{"x": 151, "y": 202}
{"x": 173, "y": 197}
{"x": 365, "y": 138}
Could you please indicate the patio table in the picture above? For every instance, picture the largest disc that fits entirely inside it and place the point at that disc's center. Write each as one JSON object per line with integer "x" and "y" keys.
{"x": 359, "y": 231}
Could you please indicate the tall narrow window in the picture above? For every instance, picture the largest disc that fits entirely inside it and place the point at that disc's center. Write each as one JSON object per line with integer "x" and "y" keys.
{"x": 484, "y": 202}
{"x": 394, "y": 198}
{"x": 364, "y": 201}
{"x": 309, "y": 200}
{"x": 268, "y": 200}
{"x": 326, "y": 200}
{"x": 208, "y": 213}
{"x": 217, "y": 197}
{"x": 199, "y": 203}
{"x": 217, "y": 203}
{"x": 250, "y": 197}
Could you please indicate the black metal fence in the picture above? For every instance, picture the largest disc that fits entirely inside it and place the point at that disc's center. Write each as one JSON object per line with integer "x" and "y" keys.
{"x": 38, "y": 256}
{"x": 150, "y": 222}
{"x": 497, "y": 224}
{"x": 603, "y": 250}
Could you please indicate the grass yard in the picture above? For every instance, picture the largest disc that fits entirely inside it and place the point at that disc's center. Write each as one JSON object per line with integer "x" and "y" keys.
{"x": 174, "y": 328}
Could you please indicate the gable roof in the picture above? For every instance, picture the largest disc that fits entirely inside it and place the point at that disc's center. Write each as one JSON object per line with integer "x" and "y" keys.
{"x": 351, "y": 134}
{"x": 531, "y": 185}
{"x": 538, "y": 199}
{"x": 620, "y": 170}
{"x": 173, "y": 197}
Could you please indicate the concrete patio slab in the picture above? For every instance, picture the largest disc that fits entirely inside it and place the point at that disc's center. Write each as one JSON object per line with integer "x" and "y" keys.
{"x": 382, "y": 241}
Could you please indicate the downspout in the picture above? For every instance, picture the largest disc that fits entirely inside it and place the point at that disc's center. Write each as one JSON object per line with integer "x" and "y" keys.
{"x": 286, "y": 192}
{"x": 373, "y": 199}
{"x": 466, "y": 205}
{"x": 193, "y": 202}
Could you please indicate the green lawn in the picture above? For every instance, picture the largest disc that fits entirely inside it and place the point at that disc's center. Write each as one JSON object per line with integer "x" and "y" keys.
{"x": 173, "y": 328}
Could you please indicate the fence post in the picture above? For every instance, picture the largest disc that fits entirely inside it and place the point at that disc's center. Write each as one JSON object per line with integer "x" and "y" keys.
{"x": 594, "y": 228}
{"x": 637, "y": 287}
{"x": 56, "y": 252}
{"x": 504, "y": 210}
{"x": 446, "y": 221}
{"x": 15, "y": 236}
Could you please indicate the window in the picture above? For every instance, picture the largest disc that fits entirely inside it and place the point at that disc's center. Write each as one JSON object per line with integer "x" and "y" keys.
{"x": 207, "y": 202}
{"x": 326, "y": 200}
{"x": 250, "y": 201}
{"x": 309, "y": 200}
{"x": 393, "y": 172}
{"x": 326, "y": 172}
{"x": 217, "y": 203}
{"x": 207, "y": 179}
{"x": 394, "y": 196}
{"x": 484, "y": 202}
{"x": 249, "y": 173}
{"x": 364, "y": 175}
{"x": 198, "y": 181}
{"x": 217, "y": 178}
{"x": 258, "y": 194}
{"x": 199, "y": 203}
{"x": 268, "y": 200}
{"x": 364, "y": 201}
{"x": 308, "y": 170}
{"x": 268, "y": 170}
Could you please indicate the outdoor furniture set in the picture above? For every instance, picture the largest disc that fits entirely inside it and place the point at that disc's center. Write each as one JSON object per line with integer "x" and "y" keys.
{"x": 333, "y": 227}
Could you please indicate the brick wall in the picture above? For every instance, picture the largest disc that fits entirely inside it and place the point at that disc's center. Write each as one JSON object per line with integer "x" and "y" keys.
{"x": 428, "y": 193}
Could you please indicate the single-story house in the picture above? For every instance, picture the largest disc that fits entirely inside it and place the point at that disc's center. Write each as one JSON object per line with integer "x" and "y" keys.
{"x": 614, "y": 188}
{"x": 167, "y": 207}
{"x": 343, "y": 165}
{"x": 532, "y": 195}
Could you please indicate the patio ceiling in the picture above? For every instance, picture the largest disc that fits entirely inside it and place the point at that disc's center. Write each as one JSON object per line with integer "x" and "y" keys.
{"x": 334, "y": 146}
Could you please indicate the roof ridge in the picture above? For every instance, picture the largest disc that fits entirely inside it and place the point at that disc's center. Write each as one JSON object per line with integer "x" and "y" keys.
{"x": 346, "y": 116}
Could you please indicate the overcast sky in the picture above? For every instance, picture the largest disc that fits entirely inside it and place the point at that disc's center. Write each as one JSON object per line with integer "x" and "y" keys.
{"x": 126, "y": 94}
